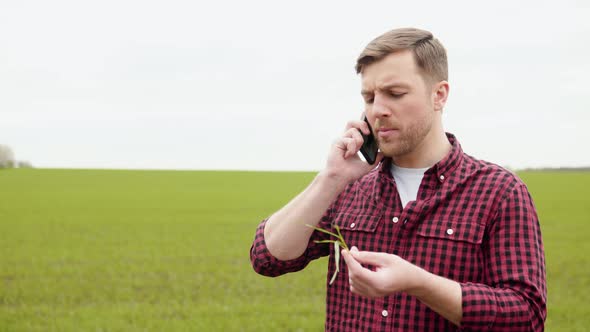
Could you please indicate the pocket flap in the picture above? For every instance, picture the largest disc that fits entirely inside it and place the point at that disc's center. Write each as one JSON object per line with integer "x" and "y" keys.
{"x": 357, "y": 222}
{"x": 452, "y": 230}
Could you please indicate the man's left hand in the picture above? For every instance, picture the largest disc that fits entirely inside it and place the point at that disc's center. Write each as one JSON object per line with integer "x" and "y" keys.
{"x": 391, "y": 273}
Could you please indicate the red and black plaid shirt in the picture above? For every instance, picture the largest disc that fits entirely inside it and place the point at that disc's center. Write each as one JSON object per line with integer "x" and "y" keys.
{"x": 472, "y": 222}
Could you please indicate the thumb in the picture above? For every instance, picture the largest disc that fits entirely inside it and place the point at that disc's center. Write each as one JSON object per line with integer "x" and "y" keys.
{"x": 349, "y": 259}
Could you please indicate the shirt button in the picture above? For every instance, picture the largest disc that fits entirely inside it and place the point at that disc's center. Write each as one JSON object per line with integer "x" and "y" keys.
{"x": 395, "y": 220}
{"x": 384, "y": 313}
{"x": 442, "y": 177}
{"x": 450, "y": 231}
{"x": 352, "y": 225}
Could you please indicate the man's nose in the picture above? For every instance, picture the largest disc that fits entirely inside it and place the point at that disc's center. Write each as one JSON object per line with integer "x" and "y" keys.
{"x": 380, "y": 108}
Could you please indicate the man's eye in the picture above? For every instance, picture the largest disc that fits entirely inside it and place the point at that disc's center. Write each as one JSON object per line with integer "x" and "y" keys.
{"x": 397, "y": 95}
{"x": 369, "y": 100}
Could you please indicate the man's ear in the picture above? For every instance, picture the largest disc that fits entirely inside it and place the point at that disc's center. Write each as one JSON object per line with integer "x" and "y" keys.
{"x": 440, "y": 93}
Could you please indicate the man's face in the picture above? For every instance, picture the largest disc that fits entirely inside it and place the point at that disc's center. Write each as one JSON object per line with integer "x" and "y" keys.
{"x": 398, "y": 103}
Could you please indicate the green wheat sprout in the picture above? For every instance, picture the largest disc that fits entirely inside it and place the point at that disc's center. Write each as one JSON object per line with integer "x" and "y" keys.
{"x": 339, "y": 242}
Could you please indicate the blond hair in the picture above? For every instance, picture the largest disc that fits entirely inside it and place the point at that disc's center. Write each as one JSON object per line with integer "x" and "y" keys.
{"x": 429, "y": 54}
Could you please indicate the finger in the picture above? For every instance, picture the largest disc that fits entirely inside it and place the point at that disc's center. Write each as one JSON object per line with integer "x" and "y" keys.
{"x": 352, "y": 132}
{"x": 360, "y": 286}
{"x": 356, "y": 135}
{"x": 371, "y": 258}
{"x": 342, "y": 143}
{"x": 366, "y": 292}
{"x": 356, "y": 289}
{"x": 351, "y": 148}
{"x": 339, "y": 143}
{"x": 347, "y": 146}
{"x": 357, "y": 274}
{"x": 348, "y": 259}
{"x": 354, "y": 267}
{"x": 358, "y": 124}
{"x": 352, "y": 145}
{"x": 365, "y": 128}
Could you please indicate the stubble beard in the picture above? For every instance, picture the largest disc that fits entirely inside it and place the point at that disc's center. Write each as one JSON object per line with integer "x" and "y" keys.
{"x": 409, "y": 139}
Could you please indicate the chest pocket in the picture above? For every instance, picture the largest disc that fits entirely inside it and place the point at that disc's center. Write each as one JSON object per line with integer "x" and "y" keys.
{"x": 352, "y": 222}
{"x": 452, "y": 230}
{"x": 360, "y": 229}
{"x": 450, "y": 249}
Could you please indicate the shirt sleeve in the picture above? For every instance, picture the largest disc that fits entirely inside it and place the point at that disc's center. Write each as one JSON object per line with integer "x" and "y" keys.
{"x": 514, "y": 295}
{"x": 266, "y": 264}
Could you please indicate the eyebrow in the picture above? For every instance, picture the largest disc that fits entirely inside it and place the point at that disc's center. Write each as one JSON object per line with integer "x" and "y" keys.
{"x": 386, "y": 87}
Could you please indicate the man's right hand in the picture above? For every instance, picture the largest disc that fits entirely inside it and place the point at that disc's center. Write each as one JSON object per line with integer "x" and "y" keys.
{"x": 285, "y": 233}
{"x": 343, "y": 163}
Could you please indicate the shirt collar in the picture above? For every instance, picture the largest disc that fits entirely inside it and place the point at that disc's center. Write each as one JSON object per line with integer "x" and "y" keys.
{"x": 443, "y": 168}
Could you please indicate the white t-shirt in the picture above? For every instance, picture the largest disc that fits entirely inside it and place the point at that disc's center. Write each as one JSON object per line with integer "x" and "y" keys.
{"x": 408, "y": 182}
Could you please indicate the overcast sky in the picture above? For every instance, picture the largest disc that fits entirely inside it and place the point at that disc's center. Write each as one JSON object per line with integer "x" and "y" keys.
{"x": 267, "y": 85}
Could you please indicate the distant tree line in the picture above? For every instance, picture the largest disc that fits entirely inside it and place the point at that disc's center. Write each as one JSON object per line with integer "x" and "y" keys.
{"x": 7, "y": 159}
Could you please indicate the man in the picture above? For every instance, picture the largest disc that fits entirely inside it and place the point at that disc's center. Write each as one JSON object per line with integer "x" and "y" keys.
{"x": 440, "y": 241}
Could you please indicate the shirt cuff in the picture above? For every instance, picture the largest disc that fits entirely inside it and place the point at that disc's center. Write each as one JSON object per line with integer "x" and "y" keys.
{"x": 479, "y": 307}
{"x": 265, "y": 263}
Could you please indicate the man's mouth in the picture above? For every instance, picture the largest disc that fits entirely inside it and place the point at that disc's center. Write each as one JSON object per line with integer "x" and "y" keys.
{"x": 386, "y": 132}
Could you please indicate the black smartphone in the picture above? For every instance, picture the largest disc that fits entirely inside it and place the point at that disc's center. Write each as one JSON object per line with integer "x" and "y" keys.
{"x": 370, "y": 147}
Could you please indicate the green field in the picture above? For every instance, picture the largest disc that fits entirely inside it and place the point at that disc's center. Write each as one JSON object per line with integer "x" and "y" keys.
{"x": 100, "y": 250}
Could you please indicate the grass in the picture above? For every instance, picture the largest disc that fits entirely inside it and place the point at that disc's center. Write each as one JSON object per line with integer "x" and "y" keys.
{"x": 563, "y": 203}
{"x": 100, "y": 250}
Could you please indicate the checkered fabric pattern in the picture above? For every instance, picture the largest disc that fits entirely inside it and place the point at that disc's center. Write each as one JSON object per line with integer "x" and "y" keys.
{"x": 473, "y": 222}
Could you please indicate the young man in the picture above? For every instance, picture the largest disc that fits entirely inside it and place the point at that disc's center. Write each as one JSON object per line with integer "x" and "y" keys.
{"x": 440, "y": 241}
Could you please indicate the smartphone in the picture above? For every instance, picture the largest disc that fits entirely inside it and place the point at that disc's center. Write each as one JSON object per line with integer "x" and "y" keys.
{"x": 370, "y": 147}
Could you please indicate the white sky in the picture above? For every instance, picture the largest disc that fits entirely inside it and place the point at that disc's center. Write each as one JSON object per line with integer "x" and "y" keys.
{"x": 268, "y": 85}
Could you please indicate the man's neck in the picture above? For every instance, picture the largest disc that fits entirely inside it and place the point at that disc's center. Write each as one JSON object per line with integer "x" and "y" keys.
{"x": 431, "y": 150}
